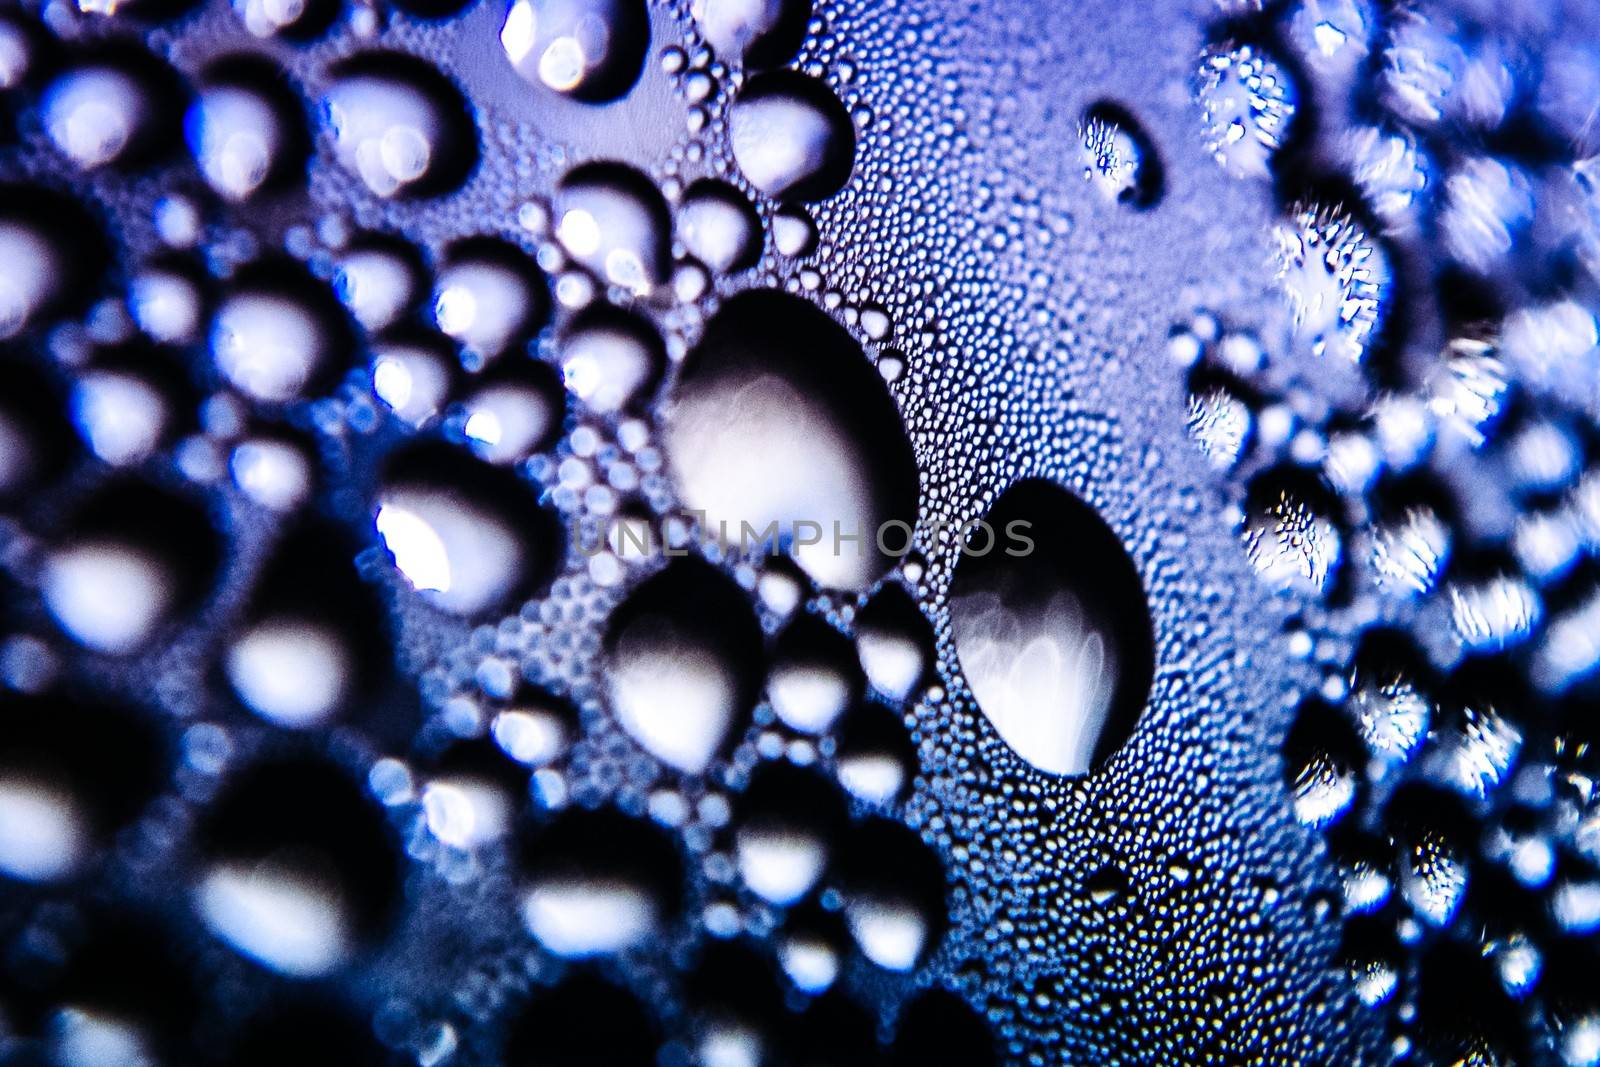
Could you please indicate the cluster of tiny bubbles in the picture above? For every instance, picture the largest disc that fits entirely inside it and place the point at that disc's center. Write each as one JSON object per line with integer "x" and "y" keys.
{"x": 1410, "y": 448}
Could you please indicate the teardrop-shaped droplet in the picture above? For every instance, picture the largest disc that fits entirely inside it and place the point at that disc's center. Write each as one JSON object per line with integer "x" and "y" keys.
{"x": 1052, "y": 629}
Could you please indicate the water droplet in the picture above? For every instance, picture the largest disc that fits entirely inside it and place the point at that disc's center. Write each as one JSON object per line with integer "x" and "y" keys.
{"x": 71, "y": 774}
{"x": 399, "y": 125}
{"x": 1247, "y": 104}
{"x": 1055, "y": 641}
{"x": 467, "y": 801}
{"x": 600, "y": 882}
{"x": 51, "y": 257}
{"x": 811, "y": 954}
{"x": 1461, "y": 1010}
{"x": 245, "y": 129}
{"x": 275, "y": 473}
{"x": 16, "y": 51}
{"x": 590, "y": 50}
{"x": 467, "y": 536}
{"x": 1569, "y": 653}
{"x": 1220, "y": 418}
{"x": 1433, "y": 871}
{"x": 1107, "y": 885}
{"x": 1486, "y": 206}
{"x": 737, "y": 1007}
{"x": 30, "y": 278}
{"x": 294, "y": 673}
{"x": 1118, "y": 157}
{"x": 814, "y": 677}
{"x": 793, "y": 231}
{"x": 514, "y": 414}
{"x": 166, "y": 303}
{"x": 300, "y": 867}
{"x": 107, "y": 595}
{"x": 296, "y": 20}
{"x": 312, "y": 640}
{"x": 611, "y": 359}
{"x": 535, "y": 729}
{"x": 1388, "y": 704}
{"x": 1322, "y": 759}
{"x": 790, "y": 819}
{"x": 791, "y": 137}
{"x": 1410, "y": 550}
{"x": 762, "y": 33}
{"x": 1493, "y": 610}
{"x": 413, "y": 377}
{"x": 876, "y": 761}
{"x": 781, "y": 428}
{"x": 131, "y": 558}
{"x": 1475, "y": 750}
{"x": 280, "y": 334}
{"x": 894, "y": 894}
{"x": 718, "y": 226}
{"x": 101, "y": 113}
{"x": 1336, "y": 279}
{"x": 124, "y": 414}
{"x": 614, "y": 220}
{"x": 1290, "y": 536}
{"x": 311, "y": 1031}
{"x": 378, "y": 279}
{"x": 489, "y": 297}
{"x": 1372, "y": 960}
{"x": 680, "y": 651}
{"x": 1392, "y": 171}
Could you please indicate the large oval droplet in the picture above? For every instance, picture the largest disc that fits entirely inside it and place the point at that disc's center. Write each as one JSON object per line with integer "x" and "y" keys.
{"x": 610, "y": 358}
{"x": 718, "y": 226}
{"x": 106, "y": 108}
{"x": 1052, "y": 629}
{"x": 893, "y": 886}
{"x": 312, "y": 642}
{"x": 52, "y": 255}
{"x": 489, "y": 297}
{"x": 791, "y": 818}
{"x": 781, "y": 425}
{"x": 280, "y": 333}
